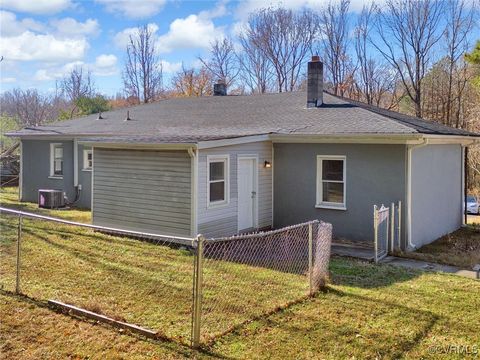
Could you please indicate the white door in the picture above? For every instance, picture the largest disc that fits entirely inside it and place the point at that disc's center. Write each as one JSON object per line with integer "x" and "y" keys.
{"x": 246, "y": 193}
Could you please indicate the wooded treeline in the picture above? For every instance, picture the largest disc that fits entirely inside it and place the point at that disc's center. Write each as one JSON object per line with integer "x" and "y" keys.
{"x": 412, "y": 56}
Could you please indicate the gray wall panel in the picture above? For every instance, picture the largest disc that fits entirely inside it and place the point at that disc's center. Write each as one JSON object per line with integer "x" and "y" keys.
{"x": 375, "y": 174}
{"x": 436, "y": 192}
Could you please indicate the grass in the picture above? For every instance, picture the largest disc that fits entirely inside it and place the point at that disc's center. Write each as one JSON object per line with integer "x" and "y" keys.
{"x": 368, "y": 311}
{"x": 460, "y": 248}
{"x": 134, "y": 281}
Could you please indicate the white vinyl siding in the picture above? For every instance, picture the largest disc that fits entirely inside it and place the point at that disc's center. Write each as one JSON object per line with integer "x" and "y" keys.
{"x": 331, "y": 182}
{"x": 223, "y": 220}
{"x": 147, "y": 191}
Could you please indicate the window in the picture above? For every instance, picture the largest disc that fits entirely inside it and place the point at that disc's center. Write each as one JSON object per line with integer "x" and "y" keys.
{"x": 217, "y": 190}
{"x": 56, "y": 160}
{"x": 331, "y": 182}
{"x": 87, "y": 159}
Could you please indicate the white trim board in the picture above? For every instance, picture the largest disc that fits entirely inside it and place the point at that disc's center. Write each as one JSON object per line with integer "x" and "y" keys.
{"x": 218, "y": 158}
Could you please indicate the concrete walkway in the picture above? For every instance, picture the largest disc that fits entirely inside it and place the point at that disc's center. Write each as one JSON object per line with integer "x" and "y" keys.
{"x": 424, "y": 265}
{"x": 354, "y": 251}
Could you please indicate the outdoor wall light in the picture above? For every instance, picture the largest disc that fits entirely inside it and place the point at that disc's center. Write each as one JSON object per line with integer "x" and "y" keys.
{"x": 267, "y": 164}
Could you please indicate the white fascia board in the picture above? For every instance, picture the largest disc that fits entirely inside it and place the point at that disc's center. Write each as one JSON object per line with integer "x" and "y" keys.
{"x": 139, "y": 146}
{"x": 452, "y": 139}
{"x": 232, "y": 141}
{"x": 358, "y": 139}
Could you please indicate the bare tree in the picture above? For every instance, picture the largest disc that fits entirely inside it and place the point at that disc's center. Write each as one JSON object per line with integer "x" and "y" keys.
{"x": 77, "y": 83}
{"x": 335, "y": 41}
{"x": 222, "y": 64}
{"x": 142, "y": 76}
{"x": 376, "y": 81}
{"x": 191, "y": 82}
{"x": 255, "y": 68}
{"x": 29, "y": 107}
{"x": 408, "y": 31}
{"x": 286, "y": 38}
{"x": 459, "y": 23}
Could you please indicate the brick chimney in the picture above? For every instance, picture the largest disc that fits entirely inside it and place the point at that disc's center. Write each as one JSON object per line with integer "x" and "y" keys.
{"x": 220, "y": 88}
{"x": 315, "y": 82}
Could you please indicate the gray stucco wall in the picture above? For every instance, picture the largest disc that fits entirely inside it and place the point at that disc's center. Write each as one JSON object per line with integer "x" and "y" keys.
{"x": 436, "y": 192}
{"x": 375, "y": 174}
{"x": 36, "y": 171}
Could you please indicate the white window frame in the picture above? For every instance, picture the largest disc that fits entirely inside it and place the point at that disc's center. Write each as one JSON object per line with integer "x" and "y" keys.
{"x": 85, "y": 159}
{"x": 226, "y": 160}
{"x": 52, "y": 160}
{"x": 326, "y": 204}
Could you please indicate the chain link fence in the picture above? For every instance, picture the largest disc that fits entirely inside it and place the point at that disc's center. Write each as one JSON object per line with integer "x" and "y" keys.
{"x": 246, "y": 276}
{"x": 183, "y": 289}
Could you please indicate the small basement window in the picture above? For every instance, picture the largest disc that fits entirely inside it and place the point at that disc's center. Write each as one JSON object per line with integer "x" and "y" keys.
{"x": 331, "y": 182}
{"x": 56, "y": 160}
{"x": 87, "y": 159}
{"x": 217, "y": 189}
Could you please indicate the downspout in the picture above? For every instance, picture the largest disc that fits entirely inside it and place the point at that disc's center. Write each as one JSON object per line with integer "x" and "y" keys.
{"x": 410, "y": 148}
{"x": 20, "y": 175}
{"x": 465, "y": 179}
{"x": 75, "y": 163}
{"x": 193, "y": 152}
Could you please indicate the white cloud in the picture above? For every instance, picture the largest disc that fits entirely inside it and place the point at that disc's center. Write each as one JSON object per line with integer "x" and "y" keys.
{"x": 122, "y": 38}
{"x": 11, "y": 26}
{"x": 194, "y": 31}
{"x": 7, "y": 80}
{"x": 170, "y": 68}
{"x": 71, "y": 27}
{"x": 30, "y": 46}
{"x": 134, "y": 9}
{"x": 251, "y": 6}
{"x": 36, "y": 6}
{"x": 104, "y": 65}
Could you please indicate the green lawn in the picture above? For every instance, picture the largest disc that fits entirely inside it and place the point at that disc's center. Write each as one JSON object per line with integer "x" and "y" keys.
{"x": 367, "y": 312}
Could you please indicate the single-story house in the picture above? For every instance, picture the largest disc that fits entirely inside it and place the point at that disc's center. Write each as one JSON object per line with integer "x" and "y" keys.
{"x": 220, "y": 165}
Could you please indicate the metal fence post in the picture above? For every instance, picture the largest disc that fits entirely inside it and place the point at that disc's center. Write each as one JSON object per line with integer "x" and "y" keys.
{"x": 19, "y": 248}
{"x": 375, "y": 231}
{"x": 310, "y": 257}
{"x": 197, "y": 301}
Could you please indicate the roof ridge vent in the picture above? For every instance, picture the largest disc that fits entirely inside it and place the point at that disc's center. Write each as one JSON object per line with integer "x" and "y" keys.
{"x": 99, "y": 117}
{"x": 128, "y": 116}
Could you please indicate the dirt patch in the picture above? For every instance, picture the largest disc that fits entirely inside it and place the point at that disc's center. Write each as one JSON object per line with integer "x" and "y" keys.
{"x": 460, "y": 248}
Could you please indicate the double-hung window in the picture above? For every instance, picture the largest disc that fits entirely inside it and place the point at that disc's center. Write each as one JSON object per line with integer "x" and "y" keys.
{"x": 217, "y": 187}
{"x": 56, "y": 160}
{"x": 331, "y": 182}
{"x": 87, "y": 159}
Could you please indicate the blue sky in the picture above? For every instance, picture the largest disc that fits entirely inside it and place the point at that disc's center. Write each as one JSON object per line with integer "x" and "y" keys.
{"x": 41, "y": 40}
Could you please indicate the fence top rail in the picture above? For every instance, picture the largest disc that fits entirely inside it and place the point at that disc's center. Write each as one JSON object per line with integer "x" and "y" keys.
{"x": 261, "y": 233}
{"x": 168, "y": 238}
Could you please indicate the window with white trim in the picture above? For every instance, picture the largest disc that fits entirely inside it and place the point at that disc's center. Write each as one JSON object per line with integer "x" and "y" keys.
{"x": 331, "y": 181}
{"x": 56, "y": 160}
{"x": 217, "y": 181}
{"x": 87, "y": 159}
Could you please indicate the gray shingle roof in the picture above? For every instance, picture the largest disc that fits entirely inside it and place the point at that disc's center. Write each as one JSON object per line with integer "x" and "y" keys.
{"x": 220, "y": 117}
